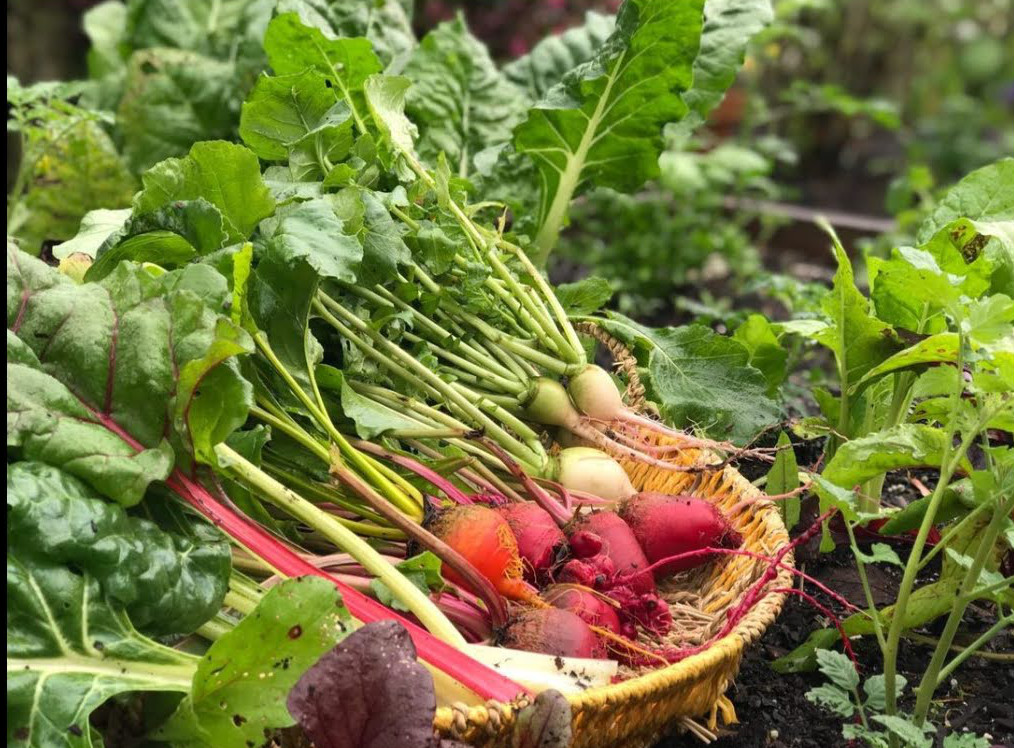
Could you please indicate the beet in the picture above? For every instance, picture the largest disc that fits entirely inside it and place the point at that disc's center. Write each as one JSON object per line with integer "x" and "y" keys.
{"x": 666, "y": 525}
{"x": 538, "y": 536}
{"x": 621, "y": 547}
{"x": 592, "y": 608}
{"x": 485, "y": 539}
{"x": 554, "y": 631}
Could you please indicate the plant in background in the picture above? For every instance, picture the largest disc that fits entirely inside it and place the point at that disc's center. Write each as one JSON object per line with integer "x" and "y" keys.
{"x": 932, "y": 404}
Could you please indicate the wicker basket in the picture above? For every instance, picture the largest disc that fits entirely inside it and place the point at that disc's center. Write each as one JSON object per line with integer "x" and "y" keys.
{"x": 635, "y": 713}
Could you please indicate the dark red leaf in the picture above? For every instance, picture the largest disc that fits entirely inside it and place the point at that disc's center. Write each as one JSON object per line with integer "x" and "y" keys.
{"x": 368, "y": 692}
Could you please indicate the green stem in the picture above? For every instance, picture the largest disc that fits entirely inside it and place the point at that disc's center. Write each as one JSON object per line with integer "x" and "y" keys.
{"x": 949, "y": 463}
{"x": 293, "y": 431}
{"x": 359, "y": 460}
{"x": 951, "y": 532}
{"x": 874, "y": 614}
{"x": 930, "y": 677}
{"x": 323, "y": 303}
{"x": 973, "y": 648}
{"x": 404, "y": 590}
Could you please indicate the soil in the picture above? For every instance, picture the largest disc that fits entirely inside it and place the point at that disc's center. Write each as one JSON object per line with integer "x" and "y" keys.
{"x": 773, "y": 709}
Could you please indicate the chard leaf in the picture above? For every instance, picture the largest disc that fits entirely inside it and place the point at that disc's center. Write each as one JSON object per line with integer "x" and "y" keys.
{"x": 728, "y": 27}
{"x": 105, "y": 25}
{"x": 172, "y": 99}
{"x": 96, "y": 226}
{"x": 585, "y": 296}
{"x": 69, "y": 647}
{"x": 549, "y": 60}
{"x": 459, "y": 100}
{"x": 699, "y": 379}
{"x": 166, "y": 583}
{"x": 422, "y": 570}
{"x": 240, "y": 688}
{"x": 283, "y": 110}
{"x": 387, "y": 24}
{"x": 373, "y": 684}
{"x": 107, "y": 379}
{"x": 602, "y": 124}
{"x": 226, "y": 175}
{"x": 293, "y": 47}
{"x": 942, "y": 347}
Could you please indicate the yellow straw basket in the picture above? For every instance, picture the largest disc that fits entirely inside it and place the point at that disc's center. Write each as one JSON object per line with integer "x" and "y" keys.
{"x": 690, "y": 694}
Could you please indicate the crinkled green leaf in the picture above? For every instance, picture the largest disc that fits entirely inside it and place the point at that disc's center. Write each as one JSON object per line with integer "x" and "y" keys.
{"x": 166, "y": 583}
{"x": 942, "y": 347}
{"x": 170, "y": 236}
{"x": 728, "y": 27}
{"x": 556, "y": 55}
{"x": 105, "y": 25}
{"x": 135, "y": 354}
{"x": 387, "y": 24}
{"x": 698, "y": 378}
{"x": 459, "y": 100}
{"x": 226, "y": 175}
{"x": 602, "y": 124}
{"x": 69, "y": 647}
{"x": 311, "y": 232}
{"x": 172, "y": 99}
{"x": 241, "y": 684}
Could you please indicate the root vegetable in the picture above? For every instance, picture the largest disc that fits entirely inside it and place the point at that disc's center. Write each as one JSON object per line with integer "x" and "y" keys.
{"x": 539, "y": 540}
{"x": 666, "y": 526}
{"x": 554, "y": 631}
{"x": 621, "y": 547}
{"x": 592, "y": 608}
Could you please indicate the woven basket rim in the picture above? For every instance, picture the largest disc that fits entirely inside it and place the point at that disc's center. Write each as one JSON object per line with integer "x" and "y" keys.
{"x": 747, "y": 631}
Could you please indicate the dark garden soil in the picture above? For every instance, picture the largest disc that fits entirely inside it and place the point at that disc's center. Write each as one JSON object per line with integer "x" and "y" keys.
{"x": 772, "y": 708}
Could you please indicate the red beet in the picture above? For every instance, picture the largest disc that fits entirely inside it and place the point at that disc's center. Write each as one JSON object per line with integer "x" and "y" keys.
{"x": 621, "y": 547}
{"x": 539, "y": 538}
{"x": 666, "y": 526}
{"x": 593, "y": 609}
{"x": 556, "y": 632}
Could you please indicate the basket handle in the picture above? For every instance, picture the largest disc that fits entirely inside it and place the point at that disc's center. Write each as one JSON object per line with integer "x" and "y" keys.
{"x": 624, "y": 361}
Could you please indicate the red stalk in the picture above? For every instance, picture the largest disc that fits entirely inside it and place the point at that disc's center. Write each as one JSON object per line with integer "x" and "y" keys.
{"x": 452, "y": 492}
{"x": 484, "y": 681}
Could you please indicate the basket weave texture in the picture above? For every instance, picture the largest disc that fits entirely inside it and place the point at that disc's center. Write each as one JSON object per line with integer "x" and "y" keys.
{"x": 636, "y": 712}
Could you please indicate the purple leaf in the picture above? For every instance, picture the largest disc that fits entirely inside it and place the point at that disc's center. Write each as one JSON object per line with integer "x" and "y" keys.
{"x": 368, "y": 692}
{"x": 544, "y": 724}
